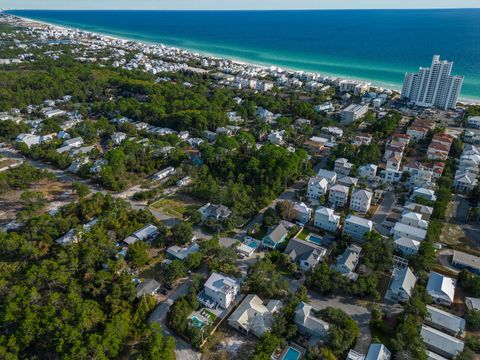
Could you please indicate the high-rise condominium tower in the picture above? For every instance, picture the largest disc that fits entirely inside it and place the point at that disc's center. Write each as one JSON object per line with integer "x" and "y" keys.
{"x": 433, "y": 86}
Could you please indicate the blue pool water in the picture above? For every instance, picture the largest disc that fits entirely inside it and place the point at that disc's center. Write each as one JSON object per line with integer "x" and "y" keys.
{"x": 377, "y": 45}
{"x": 291, "y": 354}
{"x": 197, "y": 322}
{"x": 253, "y": 244}
{"x": 315, "y": 239}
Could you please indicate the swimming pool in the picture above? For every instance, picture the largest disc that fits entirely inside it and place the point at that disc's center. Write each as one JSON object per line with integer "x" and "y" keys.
{"x": 196, "y": 322}
{"x": 252, "y": 244}
{"x": 315, "y": 239}
{"x": 292, "y": 354}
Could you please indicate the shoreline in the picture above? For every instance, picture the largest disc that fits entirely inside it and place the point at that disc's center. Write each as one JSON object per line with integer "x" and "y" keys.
{"x": 213, "y": 56}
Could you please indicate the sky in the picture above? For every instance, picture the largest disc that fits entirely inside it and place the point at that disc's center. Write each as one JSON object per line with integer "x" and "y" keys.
{"x": 237, "y": 4}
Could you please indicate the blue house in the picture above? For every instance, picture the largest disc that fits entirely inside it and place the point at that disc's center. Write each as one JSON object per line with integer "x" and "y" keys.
{"x": 276, "y": 236}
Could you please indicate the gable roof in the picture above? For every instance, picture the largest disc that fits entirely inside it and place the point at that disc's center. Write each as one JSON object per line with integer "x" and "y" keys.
{"x": 441, "y": 285}
{"x": 278, "y": 233}
{"x": 299, "y": 249}
{"x": 438, "y": 317}
{"x": 404, "y": 279}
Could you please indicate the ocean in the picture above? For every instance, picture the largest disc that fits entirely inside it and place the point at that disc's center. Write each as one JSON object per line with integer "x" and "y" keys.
{"x": 375, "y": 45}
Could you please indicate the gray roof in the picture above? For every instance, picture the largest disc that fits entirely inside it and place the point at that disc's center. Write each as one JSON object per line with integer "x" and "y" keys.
{"x": 472, "y": 303}
{"x": 147, "y": 287}
{"x": 404, "y": 279}
{"x": 444, "y": 320}
{"x": 465, "y": 259}
{"x": 278, "y": 233}
{"x": 439, "y": 340}
{"x": 378, "y": 352}
{"x": 359, "y": 221}
{"x": 299, "y": 249}
{"x": 305, "y": 318}
{"x": 441, "y": 285}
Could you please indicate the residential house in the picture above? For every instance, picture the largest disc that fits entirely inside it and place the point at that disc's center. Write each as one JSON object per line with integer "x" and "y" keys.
{"x": 417, "y": 132}
{"x": 356, "y": 227}
{"x": 401, "y": 285}
{"x": 348, "y": 261}
{"x": 147, "y": 287}
{"x": 210, "y": 135}
{"x": 215, "y": 212}
{"x": 368, "y": 171}
{"x": 406, "y": 246}
{"x": 441, "y": 343}
{"x": 472, "y": 303}
{"x": 343, "y": 167}
{"x": 147, "y": 232}
{"x": 361, "y": 200}
{"x": 219, "y": 291}
{"x": 326, "y": 219}
{"x": 378, "y": 352}
{"x": 348, "y": 181}
{"x": 441, "y": 288}
{"x": 277, "y": 235}
{"x": 444, "y": 321}
{"x": 473, "y": 122}
{"x": 338, "y": 195}
{"x": 317, "y": 187}
{"x": 252, "y": 316}
{"x": 466, "y": 261}
{"x": 316, "y": 145}
{"x": 276, "y": 137}
{"x": 118, "y": 137}
{"x": 181, "y": 253}
{"x": 305, "y": 253}
{"x": 330, "y": 176}
{"x": 163, "y": 174}
{"x": 423, "y": 193}
{"x": 424, "y": 210}
{"x": 308, "y": 324}
{"x": 401, "y": 230}
{"x": 414, "y": 219}
{"x": 362, "y": 139}
{"x": 302, "y": 212}
{"x": 465, "y": 181}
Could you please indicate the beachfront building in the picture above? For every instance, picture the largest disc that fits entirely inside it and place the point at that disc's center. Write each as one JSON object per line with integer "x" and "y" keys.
{"x": 433, "y": 86}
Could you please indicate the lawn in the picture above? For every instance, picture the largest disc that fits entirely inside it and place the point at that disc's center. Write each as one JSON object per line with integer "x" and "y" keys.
{"x": 208, "y": 314}
{"x": 176, "y": 206}
{"x": 303, "y": 235}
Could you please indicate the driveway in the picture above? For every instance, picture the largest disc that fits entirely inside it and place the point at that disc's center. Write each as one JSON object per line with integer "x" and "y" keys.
{"x": 382, "y": 212}
{"x": 444, "y": 258}
{"x": 159, "y": 315}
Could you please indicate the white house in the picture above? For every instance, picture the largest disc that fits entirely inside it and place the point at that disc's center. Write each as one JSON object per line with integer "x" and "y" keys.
{"x": 163, "y": 174}
{"x": 368, "y": 171}
{"x": 338, "y": 195}
{"x": 308, "y": 324}
{"x": 401, "y": 230}
{"x": 220, "y": 290}
{"x": 215, "y": 212}
{"x": 276, "y": 137}
{"x": 317, "y": 187}
{"x": 444, "y": 321}
{"x": 343, "y": 166}
{"x": 253, "y": 316}
{"x": 353, "y": 112}
{"x": 414, "y": 219}
{"x": 348, "y": 261}
{"x": 426, "y": 194}
{"x": 326, "y": 219}
{"x": 441, "y": 343}
{"x": 302, "y": 212}
{"x": 473, "y": 122}
{"x": 464, "y": 181}
{"x": 118, "y": 137}
{"x": 361, "y": 200}
{"x": 330, "y": 176}
{"x": 401, "y": 285}
{"x": 441, "y": 288}
{"x": 406, "y": 246}
{"x": 147, "y": 232}
{"x": 181, "y": 253}
{"x": 356, "y": 227}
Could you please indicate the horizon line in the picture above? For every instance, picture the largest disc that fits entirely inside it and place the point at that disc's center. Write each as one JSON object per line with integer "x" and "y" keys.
{"x": 281, "y": 9}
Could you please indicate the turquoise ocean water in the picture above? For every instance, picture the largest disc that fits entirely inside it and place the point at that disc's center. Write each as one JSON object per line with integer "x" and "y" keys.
{"x": 375, "y": 45}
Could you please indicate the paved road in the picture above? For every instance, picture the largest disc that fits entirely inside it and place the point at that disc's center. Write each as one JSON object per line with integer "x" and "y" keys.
{"x": 382, "y": 212}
